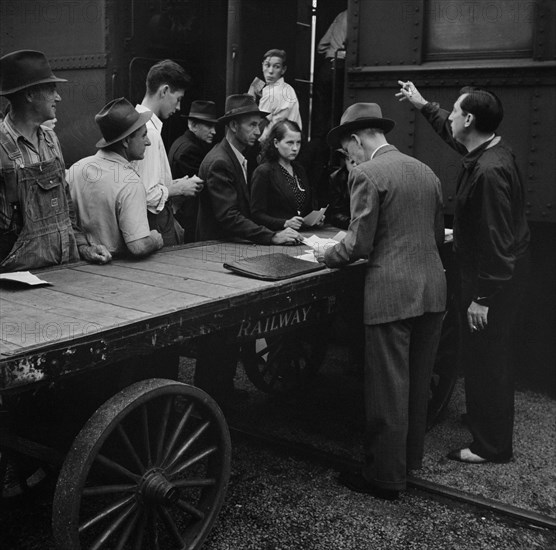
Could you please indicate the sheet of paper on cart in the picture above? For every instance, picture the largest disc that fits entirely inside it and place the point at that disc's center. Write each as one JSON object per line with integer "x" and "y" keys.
{"x": 318, "y": 243}
{"x": 314, "y": 217}
{"x": 307, "y": 256}
{"x": 24, "y": 277}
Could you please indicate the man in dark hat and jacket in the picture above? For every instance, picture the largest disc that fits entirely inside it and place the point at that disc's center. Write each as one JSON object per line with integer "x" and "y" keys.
{"x": 108, "y": 194}
{"x": 397, "y": 225}
{"x": 185, "y": 156}
{"x": 224, "y": 212}
{"x": 37, "y": 221}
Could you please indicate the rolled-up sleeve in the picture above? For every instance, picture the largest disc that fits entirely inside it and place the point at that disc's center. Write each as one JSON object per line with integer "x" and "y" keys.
{"x": 151, "y": 174}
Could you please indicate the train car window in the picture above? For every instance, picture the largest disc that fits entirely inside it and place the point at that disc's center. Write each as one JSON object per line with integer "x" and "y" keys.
{"x": 470, "y": 29}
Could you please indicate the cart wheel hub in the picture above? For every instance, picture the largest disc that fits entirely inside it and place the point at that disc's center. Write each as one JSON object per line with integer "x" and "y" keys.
{"x": 156, "y": 488}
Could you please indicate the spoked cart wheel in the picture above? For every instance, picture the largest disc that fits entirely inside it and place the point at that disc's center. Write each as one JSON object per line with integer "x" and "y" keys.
{"x": 446, "y": 366}
{"x": 149, "y": 470}
{"x": 285, "y": 364}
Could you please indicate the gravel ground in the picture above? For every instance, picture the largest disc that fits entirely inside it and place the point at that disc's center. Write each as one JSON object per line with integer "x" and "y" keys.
{"x": 330, "y": 417}
{"x": 276, "y": 502}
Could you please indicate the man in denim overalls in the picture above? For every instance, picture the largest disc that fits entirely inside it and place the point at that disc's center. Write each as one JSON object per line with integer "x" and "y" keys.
{"x": 37, "y": 220}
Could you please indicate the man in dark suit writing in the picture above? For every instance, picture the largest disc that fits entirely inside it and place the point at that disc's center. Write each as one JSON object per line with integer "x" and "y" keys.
{"x": 224, "y": 211}
{"x": 396, "y": 224}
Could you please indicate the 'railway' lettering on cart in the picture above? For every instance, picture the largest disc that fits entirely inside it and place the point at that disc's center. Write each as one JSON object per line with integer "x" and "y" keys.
{"x": 257, "y": 327}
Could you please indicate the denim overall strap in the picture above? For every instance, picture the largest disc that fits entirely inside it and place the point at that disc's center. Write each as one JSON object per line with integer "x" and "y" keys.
{"x": 46, "y": 236}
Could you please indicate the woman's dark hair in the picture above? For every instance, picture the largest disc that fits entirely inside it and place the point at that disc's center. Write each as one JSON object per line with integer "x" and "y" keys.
{"x": 485, "y": 106}
{"x": 269, "y": 151}
{"x": 276, "y": 53}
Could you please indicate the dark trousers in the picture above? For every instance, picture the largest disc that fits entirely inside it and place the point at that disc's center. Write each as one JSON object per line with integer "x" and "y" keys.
{"x": 488, "y": 367}
{"x": 399, "y": 359}
{"x": 165, "y": 223}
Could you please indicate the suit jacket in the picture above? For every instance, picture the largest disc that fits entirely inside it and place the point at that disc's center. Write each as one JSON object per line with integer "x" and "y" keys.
{"x": 397, "y": 223}
{"x": 224, "y": 211}
{"x": 186, "y": 154}
{"x": 272, "y": 199}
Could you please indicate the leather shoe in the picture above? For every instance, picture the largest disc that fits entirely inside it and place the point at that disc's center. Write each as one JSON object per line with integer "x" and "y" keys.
{"x": 356, "y": 482}
{"x": 466, "y": 456}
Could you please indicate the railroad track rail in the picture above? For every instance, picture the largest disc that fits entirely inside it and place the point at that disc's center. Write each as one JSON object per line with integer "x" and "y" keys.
{"x": 435, "y": 490}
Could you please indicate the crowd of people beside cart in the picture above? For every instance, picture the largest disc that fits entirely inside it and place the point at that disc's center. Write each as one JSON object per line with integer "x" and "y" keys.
{"x": 131, "y": 197}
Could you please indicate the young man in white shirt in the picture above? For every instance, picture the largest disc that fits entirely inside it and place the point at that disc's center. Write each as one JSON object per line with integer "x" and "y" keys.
{"x": 165, "y": 87}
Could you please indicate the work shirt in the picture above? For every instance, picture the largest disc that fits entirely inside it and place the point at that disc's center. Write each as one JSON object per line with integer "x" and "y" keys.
{"x": 110, "y": 200}
{"x": 490, "y": 227}
{"x": 154, "y": 168}
{"x": 41, "y": 224}
{"x": 334, "y": 38}
{"x": 279, "y": 99}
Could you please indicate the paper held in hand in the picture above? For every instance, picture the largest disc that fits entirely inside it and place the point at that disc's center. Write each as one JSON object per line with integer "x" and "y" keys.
{"x": 314, "y": 217}
{"x": 318, "y": 243}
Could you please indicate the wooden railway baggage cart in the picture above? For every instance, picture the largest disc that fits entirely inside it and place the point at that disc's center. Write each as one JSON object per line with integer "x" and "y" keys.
{"x": 148, "y": 466}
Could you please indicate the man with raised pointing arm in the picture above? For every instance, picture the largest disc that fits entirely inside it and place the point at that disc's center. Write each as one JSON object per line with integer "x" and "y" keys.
{"x": 491, "y": 239}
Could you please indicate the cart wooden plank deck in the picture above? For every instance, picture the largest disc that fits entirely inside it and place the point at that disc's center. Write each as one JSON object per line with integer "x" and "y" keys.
{"x": 94, "y": 314}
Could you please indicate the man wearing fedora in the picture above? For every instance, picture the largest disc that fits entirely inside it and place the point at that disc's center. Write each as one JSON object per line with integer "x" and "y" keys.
{"x": 224, "y": 214}
{"x": 165, "y": 87}
{"x": 187, "y": 153}
{"x": 491, "y": 242}
{"x": 397, "y": 225}
{"x": 224, "y": 211}
{"x": 37, "y": 221}
{"x": 107, "y": 192}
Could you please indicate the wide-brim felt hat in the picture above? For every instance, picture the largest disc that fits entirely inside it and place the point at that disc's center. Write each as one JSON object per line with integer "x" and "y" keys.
{"x": 205, "y": 111}
{"x": 24, "y": 68}
{"x": 117, "y": 120}
{"x": 357, "y": 116}
{"x": 240, "y": 105}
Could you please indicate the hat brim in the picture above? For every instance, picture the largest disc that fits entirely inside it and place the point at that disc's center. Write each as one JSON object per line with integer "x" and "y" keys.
{"x": 249, "y": 111}
{"x": 201, "y": 118}
{"x": 143, "y": 119}
{"x": 334, "y": 136}
{"x": 42, "y": 81}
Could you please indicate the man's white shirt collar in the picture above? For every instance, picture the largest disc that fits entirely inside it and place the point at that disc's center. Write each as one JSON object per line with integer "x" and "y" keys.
{"x": 157, "y": 123}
